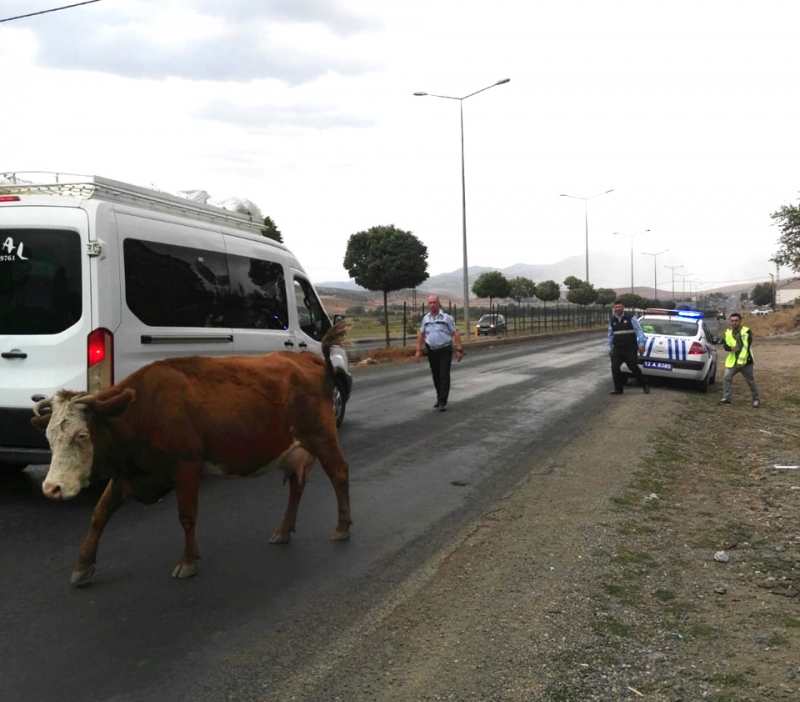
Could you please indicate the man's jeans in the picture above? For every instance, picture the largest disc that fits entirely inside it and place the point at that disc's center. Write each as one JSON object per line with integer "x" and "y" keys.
{"x": 747, "y": 372}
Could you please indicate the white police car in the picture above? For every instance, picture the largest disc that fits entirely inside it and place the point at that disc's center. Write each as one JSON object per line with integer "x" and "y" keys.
{"x": 679, "y": 345}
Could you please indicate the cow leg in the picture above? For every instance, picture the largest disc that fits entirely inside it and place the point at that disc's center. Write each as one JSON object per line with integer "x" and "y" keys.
{"x": 187, "y": 485}
{"x": 337, "y": 470}
{"x": 110, "y": 501}
{"x": 296, "y": 465}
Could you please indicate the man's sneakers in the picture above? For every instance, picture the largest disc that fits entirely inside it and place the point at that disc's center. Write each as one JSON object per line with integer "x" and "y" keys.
{"x": 443, "y": 407}
{"x": 724, "y": 401}
{"x": 756, "y": 403}
{"x": 437, "y": 406}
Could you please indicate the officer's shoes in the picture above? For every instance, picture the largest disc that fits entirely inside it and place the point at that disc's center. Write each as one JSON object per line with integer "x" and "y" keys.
{"x": 618, "y": 391}
{"x": 724, "y": 401}
{"x": 646, "y": 389}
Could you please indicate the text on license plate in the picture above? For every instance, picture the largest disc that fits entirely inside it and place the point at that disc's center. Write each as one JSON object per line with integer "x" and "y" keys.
{"x": 657, "y": 365}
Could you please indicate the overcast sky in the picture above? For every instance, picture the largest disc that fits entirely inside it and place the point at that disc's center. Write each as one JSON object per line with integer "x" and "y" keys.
{"x": 689, "y": 110}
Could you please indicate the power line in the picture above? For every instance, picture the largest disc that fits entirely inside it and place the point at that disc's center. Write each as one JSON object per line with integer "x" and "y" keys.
{"x": 44, "y": 12}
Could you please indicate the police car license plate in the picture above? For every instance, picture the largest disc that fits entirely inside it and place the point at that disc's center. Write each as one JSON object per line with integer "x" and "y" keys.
{"x": 658, "y": 365}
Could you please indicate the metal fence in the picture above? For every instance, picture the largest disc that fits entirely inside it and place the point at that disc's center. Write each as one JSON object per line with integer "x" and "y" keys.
{"x": 520, "y": 319}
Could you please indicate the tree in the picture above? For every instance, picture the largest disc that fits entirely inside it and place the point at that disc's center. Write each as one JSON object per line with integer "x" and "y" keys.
{"x": 632, "y": 301}
{"x": 492, "y": 284}
{"x": 548, "y": 291}
{"x": 788, "y": 220}
{"x": 744, "y": 297}
{"x": 605, "y": 296}
{"x": 582, "y": 294}
{"x": 386, "y": 258}
{"x": 522, "y": 289}
{"x": 271, "y": 230}
{"x": 572, "y": 282}
{"x": 763, "y": 294}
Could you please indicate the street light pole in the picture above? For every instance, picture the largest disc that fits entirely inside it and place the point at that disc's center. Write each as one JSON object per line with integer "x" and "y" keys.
{"x": 774, "y": 291}
{"x": 586, "y": 219}
{"x": 655, "y": 274}
{"x": 684, "y": 276}
{"x": 672, "y": 268}
{"x": 464, "y": 192}
{"x": 631, "y": 238}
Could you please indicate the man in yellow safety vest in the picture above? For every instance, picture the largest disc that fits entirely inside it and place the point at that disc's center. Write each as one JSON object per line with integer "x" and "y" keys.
{"x": 738, "y": 343}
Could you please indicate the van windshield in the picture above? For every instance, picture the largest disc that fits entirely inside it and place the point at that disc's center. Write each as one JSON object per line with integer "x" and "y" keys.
{"x": 40, "y": 280}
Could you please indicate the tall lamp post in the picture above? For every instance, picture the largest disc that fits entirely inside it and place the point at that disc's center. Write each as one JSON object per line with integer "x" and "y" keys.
{"x": 630, "y": 236}
{"x": 586, "y": 219}
{"x": 774, "y": 291}
{"x": 684, "y": 276}
{"x": 673, "y": 268}
{"x": 655, "y": 274}
{"x": 464, "y": 190}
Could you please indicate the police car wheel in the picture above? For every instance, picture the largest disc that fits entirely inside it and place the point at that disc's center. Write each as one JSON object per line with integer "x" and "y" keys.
{"x": 713, "y": 377}
{"x": 702, "y": 385}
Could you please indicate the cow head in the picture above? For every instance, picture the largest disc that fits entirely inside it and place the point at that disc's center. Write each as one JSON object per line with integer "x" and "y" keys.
{"x": 68, "y": 427}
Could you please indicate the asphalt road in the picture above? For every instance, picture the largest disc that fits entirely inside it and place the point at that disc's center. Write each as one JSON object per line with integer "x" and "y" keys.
{"x": 260, "y": 617}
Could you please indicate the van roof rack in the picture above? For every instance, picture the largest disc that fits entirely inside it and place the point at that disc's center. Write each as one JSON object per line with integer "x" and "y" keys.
{"x": 86, "y": 186}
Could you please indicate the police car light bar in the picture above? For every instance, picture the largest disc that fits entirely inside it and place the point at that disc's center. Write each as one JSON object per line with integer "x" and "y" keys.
{"x": 689, "y": 314}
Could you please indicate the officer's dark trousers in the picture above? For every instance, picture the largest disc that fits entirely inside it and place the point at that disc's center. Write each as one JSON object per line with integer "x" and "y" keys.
{"x": 440, "y": 361}
{"x": 630, "y": 356}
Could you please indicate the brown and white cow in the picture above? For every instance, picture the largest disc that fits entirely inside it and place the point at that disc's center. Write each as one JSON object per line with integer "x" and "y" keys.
{"x": 172, "y": 421}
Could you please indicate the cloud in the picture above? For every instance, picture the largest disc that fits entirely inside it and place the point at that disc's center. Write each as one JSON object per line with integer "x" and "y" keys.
{"x": 265, "y": 118}
{"x": 235, "y": 40}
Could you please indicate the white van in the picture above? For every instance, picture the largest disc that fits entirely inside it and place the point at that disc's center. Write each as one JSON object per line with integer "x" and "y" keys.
{"x": 99, "y": 278}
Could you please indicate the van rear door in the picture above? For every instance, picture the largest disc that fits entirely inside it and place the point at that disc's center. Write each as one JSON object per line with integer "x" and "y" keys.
{"x": 45, "y": 302}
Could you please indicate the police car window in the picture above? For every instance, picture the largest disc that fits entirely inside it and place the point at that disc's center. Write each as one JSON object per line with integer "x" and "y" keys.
{"x": 311, "y": 316}
{"x": 40, "y": 281}
{"x": 258, "y": 294}
{"x": 175, "y": 286}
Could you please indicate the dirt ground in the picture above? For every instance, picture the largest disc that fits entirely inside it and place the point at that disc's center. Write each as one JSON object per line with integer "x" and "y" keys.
{"x": 656, "y": 557}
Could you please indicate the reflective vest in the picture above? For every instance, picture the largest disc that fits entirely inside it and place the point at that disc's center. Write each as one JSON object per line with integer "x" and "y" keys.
{"x": 744, "y": 354}
{"x": 622, "y": 332}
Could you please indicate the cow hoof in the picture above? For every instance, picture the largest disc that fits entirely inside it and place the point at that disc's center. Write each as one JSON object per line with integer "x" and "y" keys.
{"x": 185, "y": 570}
{"x": 340, "y": 535}
{"x": 79, "y": 578}
{"x": 279, "y": 538}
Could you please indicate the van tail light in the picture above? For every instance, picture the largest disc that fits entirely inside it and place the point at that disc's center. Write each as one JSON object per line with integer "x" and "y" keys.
{"x": 697, "y": 348}
{"x": 100, "y": 360}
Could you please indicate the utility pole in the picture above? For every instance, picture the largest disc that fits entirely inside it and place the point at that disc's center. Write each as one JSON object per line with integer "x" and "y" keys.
{"x": 672, "y": 268}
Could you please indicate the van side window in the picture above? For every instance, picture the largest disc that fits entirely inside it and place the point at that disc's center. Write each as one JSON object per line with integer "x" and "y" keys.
{"x": 258, "y": 294}
{"x": 175, "y": 286}
{"x": 312, "y": 318}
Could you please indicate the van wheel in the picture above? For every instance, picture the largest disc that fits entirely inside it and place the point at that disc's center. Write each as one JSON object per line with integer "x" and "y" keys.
{"x": 339, "y": 401}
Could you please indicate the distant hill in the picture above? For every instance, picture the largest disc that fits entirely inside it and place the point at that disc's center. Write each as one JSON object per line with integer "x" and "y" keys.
{"x": 606, "y": 270}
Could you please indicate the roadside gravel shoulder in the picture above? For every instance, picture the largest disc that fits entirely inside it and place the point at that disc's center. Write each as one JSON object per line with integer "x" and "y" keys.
{"x": 595, "y": 578}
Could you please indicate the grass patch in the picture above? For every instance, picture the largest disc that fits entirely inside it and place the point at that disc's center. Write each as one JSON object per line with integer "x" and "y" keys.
{"x": 614, "y": 627}
{"x": 664, "y": 595}
{"x": 633, "y": 558}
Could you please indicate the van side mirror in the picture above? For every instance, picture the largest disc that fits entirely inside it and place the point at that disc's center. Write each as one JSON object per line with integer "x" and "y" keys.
{"x": 337, "y": 318}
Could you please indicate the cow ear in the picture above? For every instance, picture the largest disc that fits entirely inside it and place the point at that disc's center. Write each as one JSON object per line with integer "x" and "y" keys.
{"x": 41, "y": 422}
{"x": 114, "y": 405}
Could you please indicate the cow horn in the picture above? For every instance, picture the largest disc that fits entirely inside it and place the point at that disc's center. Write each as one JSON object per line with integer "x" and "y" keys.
{"x": 87, "y": 400}
{"x": 47, "y": 403}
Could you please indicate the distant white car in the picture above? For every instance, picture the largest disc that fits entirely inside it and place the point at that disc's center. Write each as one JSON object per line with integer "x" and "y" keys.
{"x": 761, "y": 313}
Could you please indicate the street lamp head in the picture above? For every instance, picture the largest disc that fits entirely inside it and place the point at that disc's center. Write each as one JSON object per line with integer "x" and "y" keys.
{"x": 505, "y": 80}
{"x": 420, "y": 94}
{"x": 611, "y": 191}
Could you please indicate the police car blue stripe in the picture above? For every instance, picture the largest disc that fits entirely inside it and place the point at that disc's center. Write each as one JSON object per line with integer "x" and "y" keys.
{"x": 683, "y": 348}
{"x": 669, "y": 348}
{"x": 652, "y": 342}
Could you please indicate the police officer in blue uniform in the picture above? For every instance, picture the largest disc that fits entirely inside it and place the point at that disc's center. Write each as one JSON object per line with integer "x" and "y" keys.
{"x": 624, "y": 336}
{"x": 438, "y": 332}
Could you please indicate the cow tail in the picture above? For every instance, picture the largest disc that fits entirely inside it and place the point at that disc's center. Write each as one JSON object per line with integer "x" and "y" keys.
{"x": 335, "y": 336}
